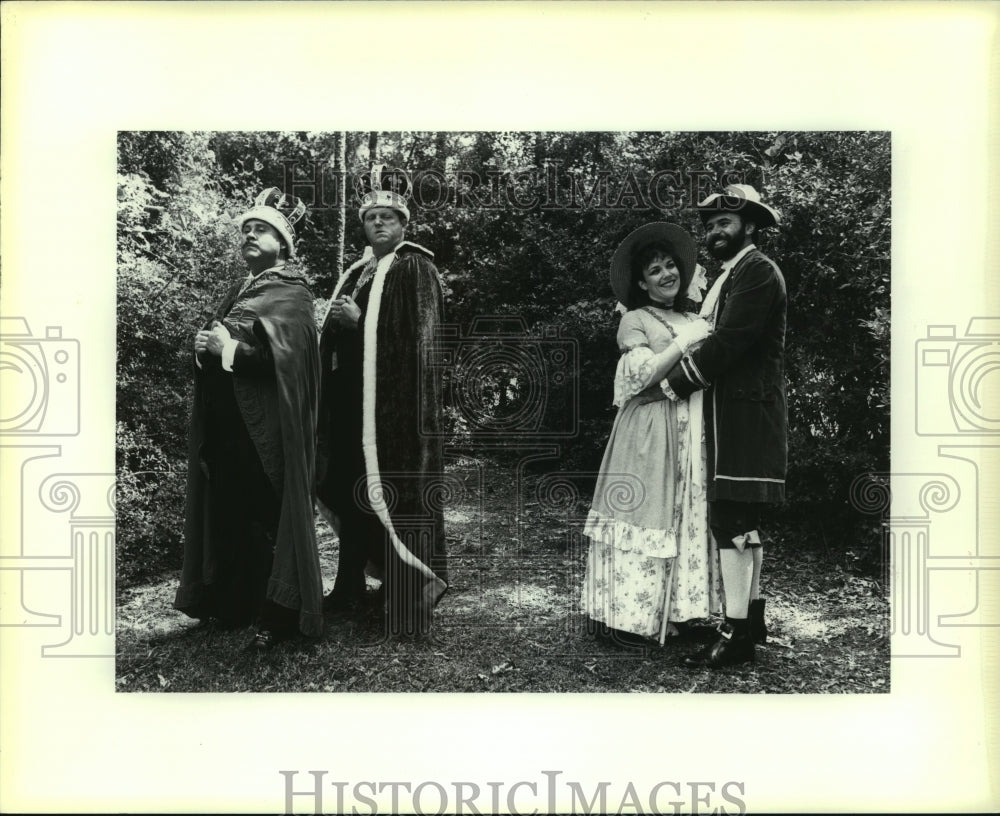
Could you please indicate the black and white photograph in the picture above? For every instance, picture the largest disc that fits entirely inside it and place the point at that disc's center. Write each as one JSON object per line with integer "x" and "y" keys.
{"x": 510, "y": 407}
{"x": 543, "y": 446}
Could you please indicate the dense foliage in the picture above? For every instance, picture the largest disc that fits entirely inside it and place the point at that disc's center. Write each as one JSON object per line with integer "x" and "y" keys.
{"x": 522, "y": 225}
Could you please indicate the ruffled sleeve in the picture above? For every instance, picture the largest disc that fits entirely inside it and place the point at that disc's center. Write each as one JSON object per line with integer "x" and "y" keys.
{"x": 633, "y": 372}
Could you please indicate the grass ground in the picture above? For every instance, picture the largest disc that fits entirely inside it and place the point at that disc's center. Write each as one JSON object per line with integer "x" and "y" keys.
{"x": 510, "y": 621}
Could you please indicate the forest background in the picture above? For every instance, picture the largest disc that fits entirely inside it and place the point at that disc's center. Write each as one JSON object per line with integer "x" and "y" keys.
{"x": 522, "y": 226}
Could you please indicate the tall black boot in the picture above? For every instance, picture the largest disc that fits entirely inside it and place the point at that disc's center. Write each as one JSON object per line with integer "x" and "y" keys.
{"x": 758, "y": 626}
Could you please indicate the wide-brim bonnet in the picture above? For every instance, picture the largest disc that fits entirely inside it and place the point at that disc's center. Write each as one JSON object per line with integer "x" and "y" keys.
{"x": 682, "y": 245}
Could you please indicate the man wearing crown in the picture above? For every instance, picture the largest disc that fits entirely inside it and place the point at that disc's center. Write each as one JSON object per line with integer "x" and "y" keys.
{"x": 380, "y": 417}
{"x": 250, "y": 547}
{"x": 741, "y": 368}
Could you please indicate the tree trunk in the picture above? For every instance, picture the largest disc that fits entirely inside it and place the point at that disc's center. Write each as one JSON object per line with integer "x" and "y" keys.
{"x": 340, "y": 217}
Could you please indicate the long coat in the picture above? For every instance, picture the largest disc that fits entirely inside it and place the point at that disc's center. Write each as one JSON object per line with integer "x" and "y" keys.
{"x": 742, "y": 365}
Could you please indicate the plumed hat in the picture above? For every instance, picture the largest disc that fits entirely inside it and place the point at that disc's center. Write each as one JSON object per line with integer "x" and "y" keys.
{"x": 383, "y": 187}
{"x": 739, "y": 198}
{"x": 280, "y": 211}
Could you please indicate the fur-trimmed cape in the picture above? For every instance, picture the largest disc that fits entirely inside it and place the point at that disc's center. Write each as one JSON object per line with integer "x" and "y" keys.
{"x": 280, "y": 416}
{"x": 401, "y": 409}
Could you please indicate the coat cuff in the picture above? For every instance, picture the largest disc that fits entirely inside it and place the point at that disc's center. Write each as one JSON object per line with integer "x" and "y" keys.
{"x": 229, "y": 354}
{"x": 693, "y": 372}
{"x": 682, "y": 381}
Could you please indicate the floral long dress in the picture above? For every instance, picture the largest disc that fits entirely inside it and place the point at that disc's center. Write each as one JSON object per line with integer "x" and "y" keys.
{"x": 649, "y": 519}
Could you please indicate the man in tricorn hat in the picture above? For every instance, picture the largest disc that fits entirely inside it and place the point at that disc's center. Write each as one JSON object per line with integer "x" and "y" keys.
{"x": 249, "y": 539}
{"x": 380, "y": 415}
{"x": 741, "y": 366}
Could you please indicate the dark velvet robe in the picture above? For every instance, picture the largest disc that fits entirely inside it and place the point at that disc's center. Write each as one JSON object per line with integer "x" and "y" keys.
{"x": 277, "y": 406}
{"x": 380, "y": 422}
{"x": 742, "y": 363}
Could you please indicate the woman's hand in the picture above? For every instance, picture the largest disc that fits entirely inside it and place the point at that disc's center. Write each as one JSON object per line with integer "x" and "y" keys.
{"x": 345, "y": 312}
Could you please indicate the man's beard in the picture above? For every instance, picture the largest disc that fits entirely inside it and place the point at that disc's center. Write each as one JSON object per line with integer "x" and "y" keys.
{"x": 731, "y": 246}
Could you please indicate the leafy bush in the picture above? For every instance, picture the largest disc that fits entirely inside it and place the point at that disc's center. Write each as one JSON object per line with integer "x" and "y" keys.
{"x": 546, "y": 265}
{"x": 149, "y": 501}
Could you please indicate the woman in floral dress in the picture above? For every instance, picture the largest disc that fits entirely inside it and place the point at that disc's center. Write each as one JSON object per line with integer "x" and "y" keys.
{"x": 651, "y": 561}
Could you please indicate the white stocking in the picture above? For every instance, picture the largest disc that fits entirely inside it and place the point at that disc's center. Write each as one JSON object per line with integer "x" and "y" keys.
{"x": 737, "y": 576}
{"x": 758, "y": 558}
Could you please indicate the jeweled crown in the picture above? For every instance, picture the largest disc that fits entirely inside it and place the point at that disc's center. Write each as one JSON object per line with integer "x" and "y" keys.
{"x": 292, "y": 208}
{"x": 383, "y": 187}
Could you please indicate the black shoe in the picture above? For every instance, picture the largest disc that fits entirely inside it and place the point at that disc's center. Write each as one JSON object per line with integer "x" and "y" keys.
{"x": 758, "y": 626}
{"x": 730, "y": 649}
{"x": 267, "y": 639}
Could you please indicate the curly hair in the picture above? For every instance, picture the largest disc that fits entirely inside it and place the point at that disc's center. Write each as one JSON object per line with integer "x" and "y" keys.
{"x": 642, "y": 256}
